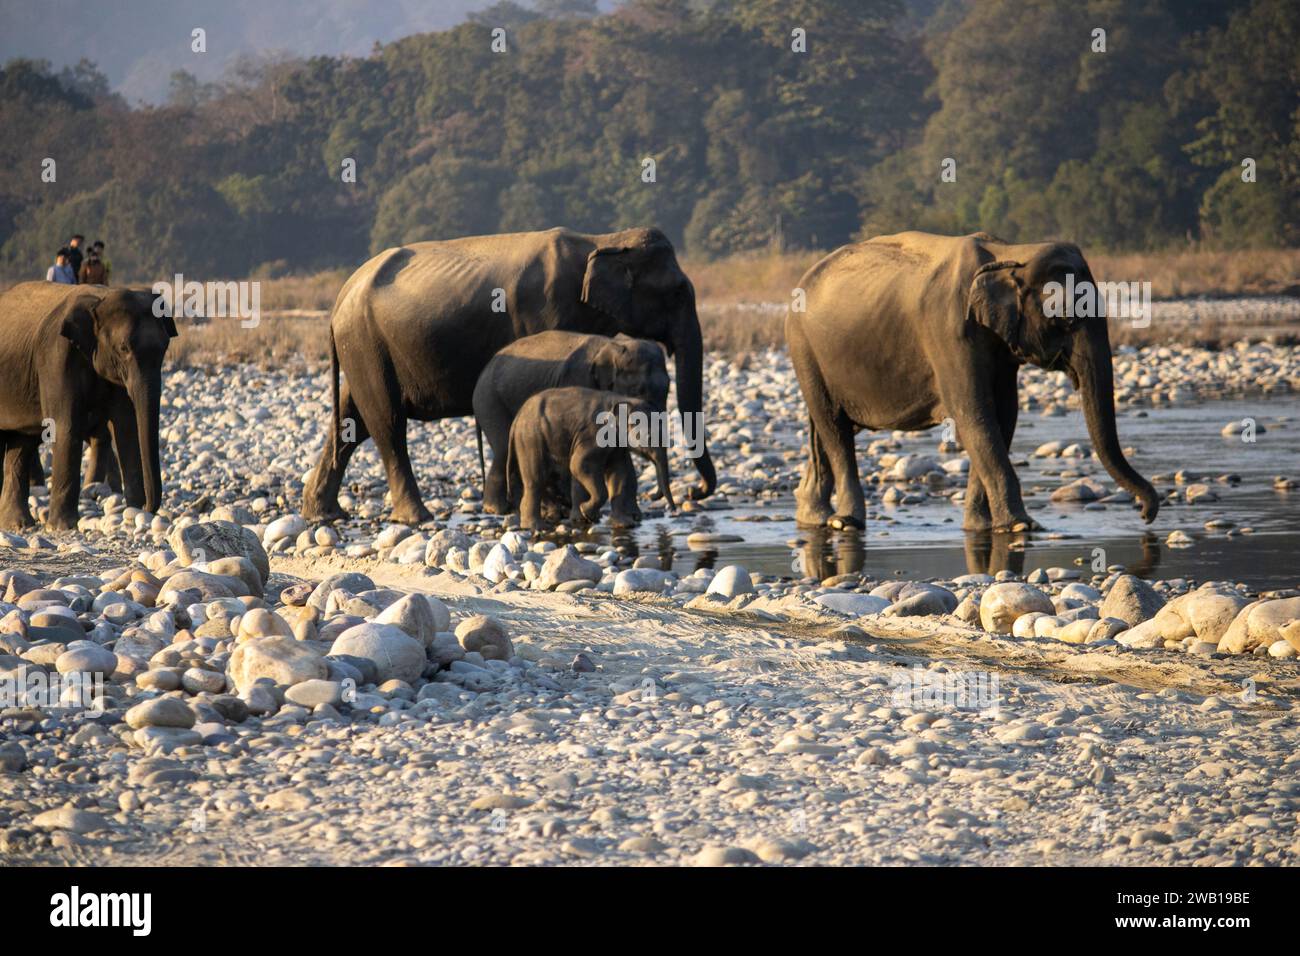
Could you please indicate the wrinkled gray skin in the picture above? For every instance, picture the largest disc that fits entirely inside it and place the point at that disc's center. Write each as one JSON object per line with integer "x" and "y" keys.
{"x": 628, "y": 366}
{"x": 414, "y": 327}
{"x": 80, "y": 356}
{"x": 901, "y": 332}
{"x": 554, "y": 449}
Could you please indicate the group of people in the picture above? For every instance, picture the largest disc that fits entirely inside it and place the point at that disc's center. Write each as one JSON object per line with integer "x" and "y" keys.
{"x": 73, "y": 266}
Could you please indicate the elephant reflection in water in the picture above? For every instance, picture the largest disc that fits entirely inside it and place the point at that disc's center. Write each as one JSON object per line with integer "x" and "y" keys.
{"x": 826, "y": 553}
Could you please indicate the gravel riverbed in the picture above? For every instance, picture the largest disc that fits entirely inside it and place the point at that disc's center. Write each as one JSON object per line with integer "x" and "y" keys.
{"x": 269, "y": 690}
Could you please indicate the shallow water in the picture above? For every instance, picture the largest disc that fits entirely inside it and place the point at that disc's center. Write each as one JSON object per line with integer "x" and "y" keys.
{"x": 926, "y": 540}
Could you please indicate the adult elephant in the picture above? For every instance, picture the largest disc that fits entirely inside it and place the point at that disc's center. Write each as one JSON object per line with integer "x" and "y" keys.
{"x": 904, "y": 331}
{"x": 71, "y": 359}
{"x": 412, "y": 329}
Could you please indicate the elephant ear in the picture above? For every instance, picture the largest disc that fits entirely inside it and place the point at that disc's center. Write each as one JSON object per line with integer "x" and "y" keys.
{"x": 603, "y": 366}
{"x": 157, "y": 305}
{"x": 607, "y": 283}
{"x": 995, "y": 300}
{"x": 77, "y": 321}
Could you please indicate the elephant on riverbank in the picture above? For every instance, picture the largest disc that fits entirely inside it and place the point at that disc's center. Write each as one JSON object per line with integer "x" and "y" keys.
{"x": 621, "y": 364}
{"x": 560, "y": 445}
{"x": 73, "y": 358}
{"x": 904, "y": 331}
{"x": 414, "y": 327}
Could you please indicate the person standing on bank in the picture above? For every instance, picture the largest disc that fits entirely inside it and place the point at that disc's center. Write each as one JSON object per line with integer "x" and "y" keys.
{"x": 61, "y": 272}
{"x": 75, "y": 255}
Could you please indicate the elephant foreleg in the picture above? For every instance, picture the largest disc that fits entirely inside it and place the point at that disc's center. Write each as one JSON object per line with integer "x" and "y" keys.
{"x": 587, "y": 467}
{"x": 974, "y": 408}
{"x": 624, "y": 512}
{"x": 126, "y": 440}
{"x": 65, "y": 475}
{"x": 496, "y": 432}
{"x": 978, "y": 515}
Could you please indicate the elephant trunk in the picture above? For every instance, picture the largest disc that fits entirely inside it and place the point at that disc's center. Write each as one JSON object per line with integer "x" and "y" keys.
{"x": 688, "y": 352}
{"x": 665, "y": 480}
{"x": 146, "y": 392}
{"x": 1090, "y": 368}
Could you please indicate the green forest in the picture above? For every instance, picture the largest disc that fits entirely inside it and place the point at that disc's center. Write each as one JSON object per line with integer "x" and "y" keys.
{"x": 785, "y": 124}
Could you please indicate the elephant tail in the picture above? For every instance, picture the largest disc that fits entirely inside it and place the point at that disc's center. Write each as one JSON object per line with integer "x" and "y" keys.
{"x": 334, "y": 393}
{"x": 482, "y": 470}
{"x": 512, "y": 468}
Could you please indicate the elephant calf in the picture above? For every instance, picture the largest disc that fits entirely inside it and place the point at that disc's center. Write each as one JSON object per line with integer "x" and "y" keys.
{"x": 554, "y": 359}
{"x": 563, "y": 439}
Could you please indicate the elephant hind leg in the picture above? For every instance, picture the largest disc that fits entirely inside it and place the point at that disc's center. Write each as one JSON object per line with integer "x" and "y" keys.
{"x": 831, "y": 442}
{"x": 813, "y": 496}
{"x": 14, "y": 512}
{"x": 101, "y": 464}
{"x": 321, "y": 494}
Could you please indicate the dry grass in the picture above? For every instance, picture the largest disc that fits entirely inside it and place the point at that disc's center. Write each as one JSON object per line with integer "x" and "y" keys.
{"x": 1198, "y": 272}
{"x": 276, "y": 341}
{"x": 313, "y": 293}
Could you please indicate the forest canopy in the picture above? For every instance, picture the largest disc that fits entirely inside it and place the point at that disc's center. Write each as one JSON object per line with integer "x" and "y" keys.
{"x": 755, "y": 143}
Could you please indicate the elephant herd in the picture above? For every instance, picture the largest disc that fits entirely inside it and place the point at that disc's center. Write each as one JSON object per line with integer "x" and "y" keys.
{"x": 543, "y": 335}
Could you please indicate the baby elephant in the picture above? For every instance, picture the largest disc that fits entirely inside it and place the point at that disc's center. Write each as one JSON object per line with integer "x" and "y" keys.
{"x": 561, "y": 442}
{"x": 628, "y": 366}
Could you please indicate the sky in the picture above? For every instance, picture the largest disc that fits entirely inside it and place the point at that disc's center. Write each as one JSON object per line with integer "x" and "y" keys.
{"x": 138, "y": 44}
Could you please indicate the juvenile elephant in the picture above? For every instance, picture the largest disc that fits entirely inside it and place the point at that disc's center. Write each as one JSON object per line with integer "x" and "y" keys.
{"x": 414, "y": 327}
{"x": 628, "y": 366}
{"x": 71, "y": 359}
{"x": 904, "y": 331}
{"x": 564, "y": 440}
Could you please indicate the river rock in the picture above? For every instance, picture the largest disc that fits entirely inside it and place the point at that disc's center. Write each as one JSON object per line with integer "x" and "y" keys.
{"x": 414, "y": 614}
{"x": 259, "y": 622}
{"x": 486, "y": 635}
{"x": 566, "y": 564}
{"x": 311, "y": 693}
{"x": 282, "y": 659}
{"x": 395, "y": 654}
{"x": 87, "y": 659}
{"x": 210, "y": 540}
{"x": 499, "y": 563}
{"x": 350, "y": 581}
{"x": 730, "y": 582}
{"x": 289, "y": 526}
{"x": 160, "y": 712}
{"x": 1001, "y": 604}
{"x": 1260, "y": 623}
{"x": 1132, "y": 600}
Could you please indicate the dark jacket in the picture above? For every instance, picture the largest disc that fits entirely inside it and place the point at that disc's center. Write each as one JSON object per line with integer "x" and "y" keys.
{"x": 92, "y": 271}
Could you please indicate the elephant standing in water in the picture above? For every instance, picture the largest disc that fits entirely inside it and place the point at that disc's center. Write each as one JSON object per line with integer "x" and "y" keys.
{"x": 413, "y": 328}
{"x": 903, "y": 331}
{"x": 73, "y": 358}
